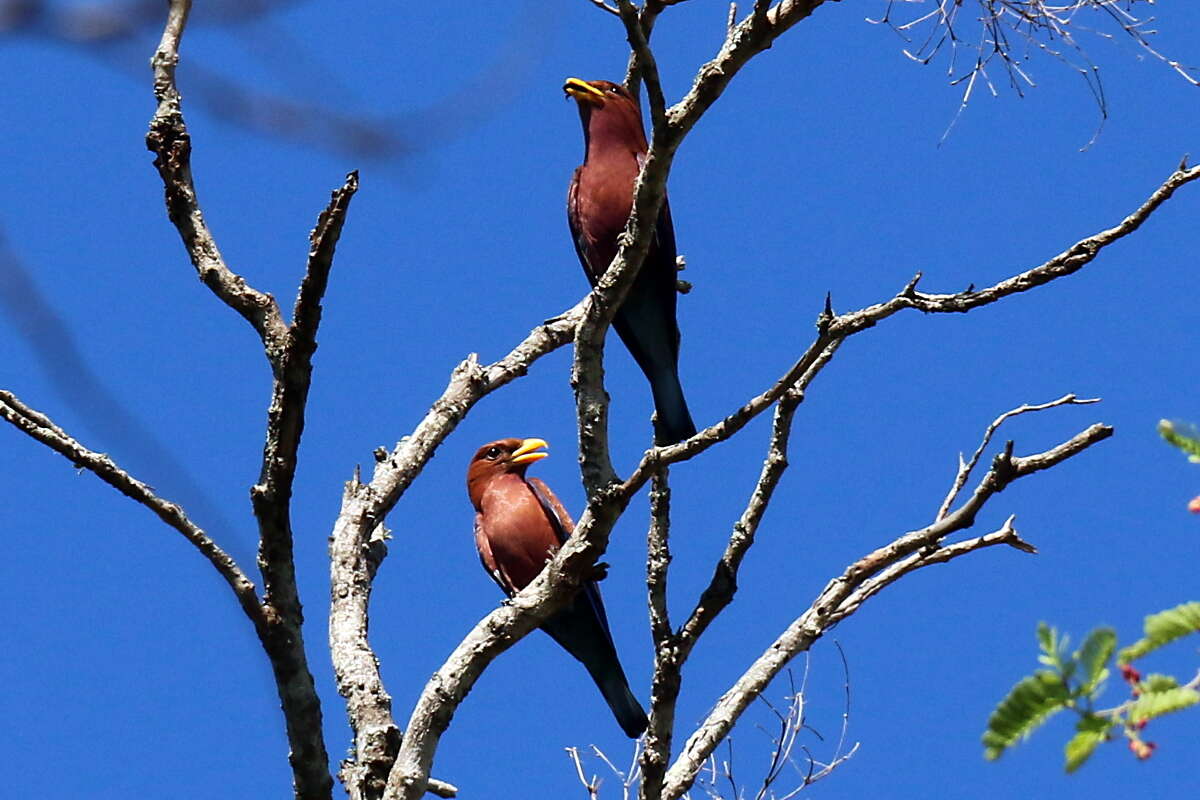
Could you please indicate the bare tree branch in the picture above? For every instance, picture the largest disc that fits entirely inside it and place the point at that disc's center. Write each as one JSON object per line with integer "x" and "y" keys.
{"x": 289, "y": 350}
{"x": 607, "y": 497}
{"x": 643, "y": 58}
{"x": 965, "y": 467}
{"x": 1009, "y": 31}
{"x": 354, "y": 559}
{"x": 845, "y": 594}
{"x": 169, "y": 140}
{"x": 667, "y": 680}
{"x": 603, "y": 6}
{"x": 832, "y": 329}
{"x": 40, "y": 427}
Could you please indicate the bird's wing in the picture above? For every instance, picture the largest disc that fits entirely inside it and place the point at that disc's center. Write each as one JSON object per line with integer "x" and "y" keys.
{"x": 584, "y": 248}
{"x": 560, "y": 520}
{"x": 489, "y": 560}
{"x": 664, "y": 231}
{"x": 564, "y": 527}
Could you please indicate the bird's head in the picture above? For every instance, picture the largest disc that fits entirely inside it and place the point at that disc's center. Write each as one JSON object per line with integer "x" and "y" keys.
{"x": 502, "y": 457}
{"x": 609, "y": 113}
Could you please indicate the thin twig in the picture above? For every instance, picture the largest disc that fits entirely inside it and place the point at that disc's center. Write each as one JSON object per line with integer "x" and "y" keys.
{"x": 603, "y": 6}
{"x": 965, "y": 467}
{"x": 593, "y": 786}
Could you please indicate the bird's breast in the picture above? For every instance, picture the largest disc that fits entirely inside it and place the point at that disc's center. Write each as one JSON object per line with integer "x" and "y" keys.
{"x": 605, "y": 195}
{"x": 517, "y": 530}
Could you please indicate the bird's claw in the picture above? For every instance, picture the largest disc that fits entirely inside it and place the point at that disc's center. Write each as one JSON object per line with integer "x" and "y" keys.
{"x": 598, "y": 572}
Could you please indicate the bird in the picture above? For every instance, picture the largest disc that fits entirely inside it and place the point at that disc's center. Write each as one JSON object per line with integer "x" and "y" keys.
{"x": 599, "y": 202}
{"x": 519, "y": 525}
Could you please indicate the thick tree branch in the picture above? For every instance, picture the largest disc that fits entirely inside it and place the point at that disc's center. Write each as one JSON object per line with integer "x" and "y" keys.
{"x": 845, "y": 594}
{"x": 169, "y": 140}
{"x": 667, "y": 680}
{"x": 40, "y": 427}
{"x": 289, "y": 350}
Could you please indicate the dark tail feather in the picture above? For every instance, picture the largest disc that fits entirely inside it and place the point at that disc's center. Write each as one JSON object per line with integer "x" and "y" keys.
{"x": 580, "y": 631}
{"x": 673, "y": 421}
{"x": 624, "y": 705}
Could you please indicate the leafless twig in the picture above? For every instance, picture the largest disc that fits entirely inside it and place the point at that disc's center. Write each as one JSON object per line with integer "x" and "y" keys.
{"x": 965, "y": 467}
{"x": 1007, "y": 31}
{"x": 592, "y": 787}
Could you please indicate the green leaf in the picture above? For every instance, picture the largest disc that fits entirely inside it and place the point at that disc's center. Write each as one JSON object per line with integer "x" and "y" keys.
{"x": 1093, "y": 656}
{"x": 1028, "y": 705}
{"x": 1157, "y": 682}
{"x": 1182, "y": 435}
{"x": 1155, "y": 704}
{"x": 1090, "y": 732}
{"x": 1163, "y": 628}
{"x": 1046, "y": 636}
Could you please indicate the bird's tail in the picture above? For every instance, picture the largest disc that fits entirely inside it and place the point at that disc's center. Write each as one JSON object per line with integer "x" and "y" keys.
{"x": 625, "y": 707}
{"x": 582, "y": 631}
{"x": 673, "y": 421}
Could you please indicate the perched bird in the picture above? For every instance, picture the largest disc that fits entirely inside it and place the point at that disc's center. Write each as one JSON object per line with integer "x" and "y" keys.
{"x": 598, "y": 206}
{"x": 519, "y": 524}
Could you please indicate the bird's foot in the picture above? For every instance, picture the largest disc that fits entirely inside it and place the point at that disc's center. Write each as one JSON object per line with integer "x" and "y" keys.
{"x": 598, "y": 572}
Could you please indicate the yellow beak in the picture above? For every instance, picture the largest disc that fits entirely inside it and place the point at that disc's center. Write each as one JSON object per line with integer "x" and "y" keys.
{"x": 583, "y": 91}
{"x": 526, "y": 453}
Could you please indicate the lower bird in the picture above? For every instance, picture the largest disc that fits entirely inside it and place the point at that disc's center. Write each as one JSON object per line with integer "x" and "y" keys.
{"x": 519, "y": 525}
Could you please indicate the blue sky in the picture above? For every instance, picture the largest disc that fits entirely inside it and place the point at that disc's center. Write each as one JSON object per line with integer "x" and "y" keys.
{"x": 128, "y": 667}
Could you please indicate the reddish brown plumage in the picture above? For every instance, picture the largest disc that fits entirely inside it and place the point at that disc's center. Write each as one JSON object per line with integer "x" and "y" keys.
{"x": 599, "y": 202}
{"x": 519, "y": 524}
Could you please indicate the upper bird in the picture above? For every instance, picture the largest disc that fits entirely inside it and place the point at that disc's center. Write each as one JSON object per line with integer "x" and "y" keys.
{"x": 519, "y": 524}
{"x": 598, "y": 206}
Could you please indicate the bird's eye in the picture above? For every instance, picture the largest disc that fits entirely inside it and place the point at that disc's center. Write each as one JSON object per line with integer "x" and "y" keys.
{"x": 492, "y": 453}
{"x": 614, "y": 89}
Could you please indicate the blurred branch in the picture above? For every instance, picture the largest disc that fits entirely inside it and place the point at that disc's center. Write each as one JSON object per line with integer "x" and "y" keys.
{"x": 41, "y": 428}
{"x": 114, "y": 32}
{"x": 105, "y": 416}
